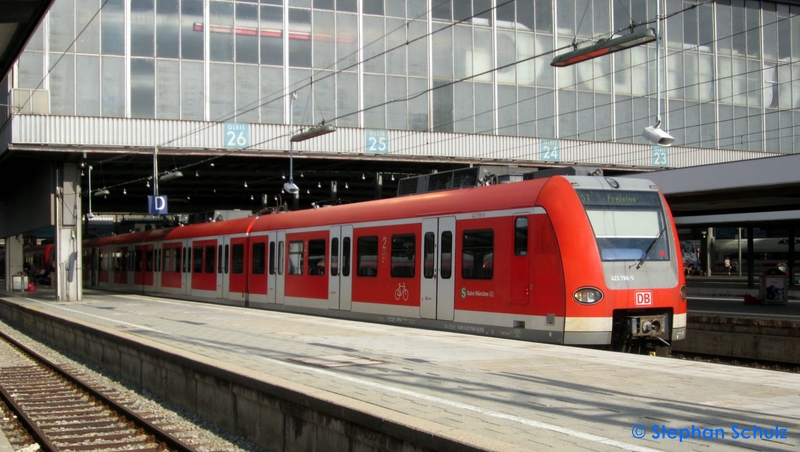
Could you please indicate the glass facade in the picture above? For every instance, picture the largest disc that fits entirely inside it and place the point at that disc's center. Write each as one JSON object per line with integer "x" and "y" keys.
{"x": 731, "y": 77}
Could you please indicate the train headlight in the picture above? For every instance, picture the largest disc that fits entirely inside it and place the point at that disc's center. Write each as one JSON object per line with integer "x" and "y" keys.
{"x": 587, "y": 295}
{"x": 683, "y": 293}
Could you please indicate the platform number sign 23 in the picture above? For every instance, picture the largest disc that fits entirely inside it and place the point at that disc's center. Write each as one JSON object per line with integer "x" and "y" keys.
{"x": 660, "y": 156}
{"x": 237, "y": 135}
{"x": 551, "y": 150}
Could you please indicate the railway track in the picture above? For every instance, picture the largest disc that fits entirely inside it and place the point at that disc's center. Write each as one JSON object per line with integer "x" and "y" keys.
{"x": 62, "y": 412}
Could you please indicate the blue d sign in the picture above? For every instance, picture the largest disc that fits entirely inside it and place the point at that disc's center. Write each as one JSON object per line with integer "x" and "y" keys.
{"x": 157, "y": 205}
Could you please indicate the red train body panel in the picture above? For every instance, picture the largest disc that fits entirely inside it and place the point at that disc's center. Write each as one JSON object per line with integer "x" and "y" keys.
{"x": 577, "y": 260}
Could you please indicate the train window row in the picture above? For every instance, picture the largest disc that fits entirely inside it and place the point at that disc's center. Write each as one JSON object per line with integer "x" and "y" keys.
{"x": 477, "y": 256}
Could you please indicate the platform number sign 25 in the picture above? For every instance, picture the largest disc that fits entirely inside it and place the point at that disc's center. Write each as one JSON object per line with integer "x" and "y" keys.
{"x": 237, "y": 135}
{"x": 551, "y": 150}
{"x": 378, "y": 141}
{"x": 660, "y": 156}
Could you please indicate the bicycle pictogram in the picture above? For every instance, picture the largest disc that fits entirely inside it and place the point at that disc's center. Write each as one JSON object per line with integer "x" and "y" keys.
{"x": 401, "y": 292}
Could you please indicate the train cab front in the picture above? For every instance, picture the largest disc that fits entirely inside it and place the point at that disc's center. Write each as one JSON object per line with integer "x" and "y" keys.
{"x": 638, "y": 272}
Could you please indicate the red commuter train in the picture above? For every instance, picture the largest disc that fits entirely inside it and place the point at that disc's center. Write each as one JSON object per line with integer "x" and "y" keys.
{"x": 567, "y": 259}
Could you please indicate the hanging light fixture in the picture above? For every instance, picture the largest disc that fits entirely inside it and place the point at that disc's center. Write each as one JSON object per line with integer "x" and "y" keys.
{"x": 245, "y": 184}
{"x": 124, "y": 191}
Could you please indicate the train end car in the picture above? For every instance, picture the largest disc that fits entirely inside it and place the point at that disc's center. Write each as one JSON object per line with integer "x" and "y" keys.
{"x": 623, "y": 270}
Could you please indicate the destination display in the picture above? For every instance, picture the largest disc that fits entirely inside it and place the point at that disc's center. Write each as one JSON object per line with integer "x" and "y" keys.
{"x": 619, "y": 198}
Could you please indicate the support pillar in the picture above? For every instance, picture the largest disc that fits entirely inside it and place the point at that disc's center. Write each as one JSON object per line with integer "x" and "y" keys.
{"x": 15, "y": 258}
{"x": 68, "y": 233}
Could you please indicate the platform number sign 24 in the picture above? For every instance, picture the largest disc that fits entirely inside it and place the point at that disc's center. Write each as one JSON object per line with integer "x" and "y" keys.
{"x": 551, "y": 150}
{"x": 237, "y": 135}
{"x": 660, "y": 156}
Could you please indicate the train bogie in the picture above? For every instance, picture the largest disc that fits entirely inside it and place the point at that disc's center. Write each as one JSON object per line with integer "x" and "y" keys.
{"x": 577, "y": 260}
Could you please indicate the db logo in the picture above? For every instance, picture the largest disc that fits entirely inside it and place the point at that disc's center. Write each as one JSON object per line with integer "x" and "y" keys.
{"x": 644, "y": 298}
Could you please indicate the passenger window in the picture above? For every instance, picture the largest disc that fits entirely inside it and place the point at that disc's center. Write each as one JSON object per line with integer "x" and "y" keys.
{"x": 280, "y": 257}
{"x": 446, "y": 258}
{"x": 219, "y": 258}
{"x": 429, "y": 253}
{"x": 367, "y": 256}
{"x": 237, "y": 260}
{"x": 228, "y": 258}
{"x": 335, "y": 257}
{"x": 137, "y": 261}
{"x": 346, "y": 257}
{"x": 404, "y": 255}
{"x": 271, "y": 258}
{"x": 477, "y": 256}
{"x": 148, "y": 260}
{"x": 259, "y": 250}
{"x": 521, "y": 236}
{"x": 167, "y": 260}
{"x": 198, "y": 259}
{"x": 296, "y": 258}
{"x": 210, "y": 258}
{"x": 316, "y": 257}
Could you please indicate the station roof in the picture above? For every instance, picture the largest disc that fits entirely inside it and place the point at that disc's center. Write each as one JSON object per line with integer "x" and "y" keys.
{"x": 18, "y": 22}
{"x": 764, "y": 192}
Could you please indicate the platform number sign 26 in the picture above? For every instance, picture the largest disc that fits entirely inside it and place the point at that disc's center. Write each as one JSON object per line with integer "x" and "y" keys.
{"x": 237, "y": 135}
{"x": 551, "y": 150}
{"x": 660, "y": 156}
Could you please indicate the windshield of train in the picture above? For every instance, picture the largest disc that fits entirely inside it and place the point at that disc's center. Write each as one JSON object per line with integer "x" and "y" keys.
{"x": 628, "y": 225}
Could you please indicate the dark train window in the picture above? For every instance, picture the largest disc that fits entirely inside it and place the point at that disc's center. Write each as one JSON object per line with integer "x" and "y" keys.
{"x": 167, "y": 260}
{"x": 271, "y": 258}
{"x": 210, "y": 259}
{"x": 346, "y": 256}
{"x": 296, "y": 258}
{"x": 521, "y": 236}
{"x": 177, "y": 260}
{"x": 280, "y": 257}
{"x": 219, "y": 257}
{"x": 197, "y": 263}
{"x": 259, "y": 257}
{"x": 446, "y": 258}
{"x": 404, "y": 255}
{"x": 429, "y": 254}
{"x": 477, "y": 254}
{"x": 148, "y": 260}
{"x": 187, "y": 259}
{"x": 137, "y": 260}
{"x": 335, "y": 257}
{"x": 367, "y": 256}
{"x": 237, "y": 259}
{"x": 316, "y": 257}
{"x": 228, "y": 257}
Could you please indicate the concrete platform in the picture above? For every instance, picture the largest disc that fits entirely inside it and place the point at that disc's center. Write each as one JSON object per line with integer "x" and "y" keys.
{"x": 496, "y": 394}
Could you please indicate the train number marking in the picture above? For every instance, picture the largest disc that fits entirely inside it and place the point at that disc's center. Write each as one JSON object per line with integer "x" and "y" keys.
{"x": 622, "y": 278}
{"x": 643, "y": 298}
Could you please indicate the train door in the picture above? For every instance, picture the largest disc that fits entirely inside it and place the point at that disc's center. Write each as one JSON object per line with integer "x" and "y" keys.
{"x": 437, "y": 290}
{"x": 235, "y": 274}
{"x": 94, "y": 277}
{"x": 340, "y": 284}
{"x": 280, "y": 264}
{"x": 156, "y": 267}
{"x": 186, "y": 267}
{"x": 272, "y": 267}
{"x": 143, "y": 266}
{"x": 521, "y": 261}
{"x": 224, "y": 256}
